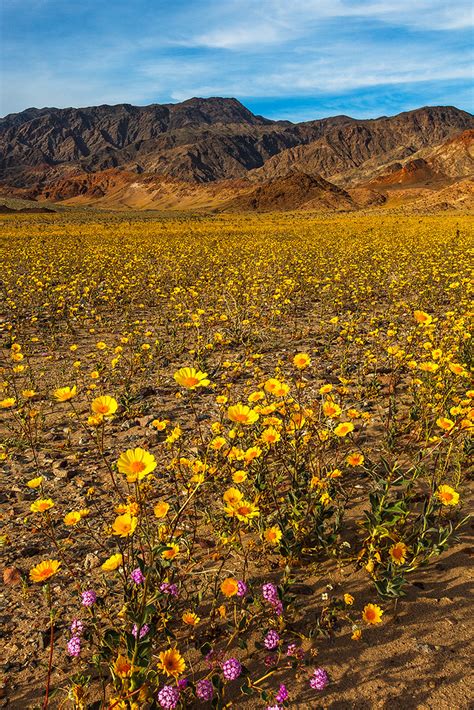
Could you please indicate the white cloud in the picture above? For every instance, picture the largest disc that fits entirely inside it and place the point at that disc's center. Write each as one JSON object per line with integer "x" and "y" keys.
{"x": 313, "y": 73}
{"x": 268, "y": 22}
{"x": 244, "y": 48}
{"x": 240, "y": 36}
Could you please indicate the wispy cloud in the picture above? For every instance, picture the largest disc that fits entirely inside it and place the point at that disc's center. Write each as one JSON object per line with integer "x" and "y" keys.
{"x": 273, "y": 21}
{"x": 293, "y": 57}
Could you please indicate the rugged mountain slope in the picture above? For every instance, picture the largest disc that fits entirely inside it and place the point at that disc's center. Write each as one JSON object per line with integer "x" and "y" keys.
{"x": 113, "y": 188}
{"x": 454, "y": 158}
{"x": 294, "y": 191}
{"x": 199, "y": 139}
{"x": 349, "y": 146}
{"x": 450, "y": 160}
{"x": 117, "y": 189}
{"x": 148, "y": 154}
{"x": 209, "y": 139}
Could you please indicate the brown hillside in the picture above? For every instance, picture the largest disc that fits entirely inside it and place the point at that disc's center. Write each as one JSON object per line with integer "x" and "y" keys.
{"x": 413, "y": 172}
{"x": 294, "y": 191}
{"x": 433, "y": 165}
{"x": 348, "y": 147}
{"x": 459, "y": 196}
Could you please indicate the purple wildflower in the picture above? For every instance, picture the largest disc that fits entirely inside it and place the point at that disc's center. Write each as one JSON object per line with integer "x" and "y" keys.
{"x": 272, "y": 639}
{"x": 143, "y": 630}
{"x": 274, "y": 707}
{"x": 89, "y": 598}
{"x": 74, "y": 646}
{"x": 231, "y": 669}
{"x": 168, "y": 588}
{"x": 282, "y": 694}
{"x": 204, "y": 690}
{"x": 183, "y": 683}
{"x": 168, "y": 697}
{"x": 270, "y": 594}
{"x": 77, "y": 627}
{"x": 319, "y": 679}
{"x": 242, "y": 588}
{"x": 137, "y": 576}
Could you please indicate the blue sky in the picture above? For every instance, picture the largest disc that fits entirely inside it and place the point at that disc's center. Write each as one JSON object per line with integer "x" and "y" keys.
{"x": 292, "y": 59}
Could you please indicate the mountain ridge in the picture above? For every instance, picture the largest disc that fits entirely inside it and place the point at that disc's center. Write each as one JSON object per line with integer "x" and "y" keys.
{"x": 203, "y": 141}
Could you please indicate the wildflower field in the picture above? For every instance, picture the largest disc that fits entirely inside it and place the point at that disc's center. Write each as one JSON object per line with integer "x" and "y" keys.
{"x": 233, "y": 450}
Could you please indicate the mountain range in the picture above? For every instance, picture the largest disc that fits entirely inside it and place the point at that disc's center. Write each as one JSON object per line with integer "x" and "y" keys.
{"x": 215, "y": 153}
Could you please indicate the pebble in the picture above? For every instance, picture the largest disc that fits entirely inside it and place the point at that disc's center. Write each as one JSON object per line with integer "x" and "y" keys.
{"x": 91, "y": 561}
{"x": 427, "y": 647}
{"x": 145, "y": 421}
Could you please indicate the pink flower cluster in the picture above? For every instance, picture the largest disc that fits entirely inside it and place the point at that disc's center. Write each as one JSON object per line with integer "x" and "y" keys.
{"x": 168, "y": 697}
{"x": 271, "y": 640}
{"x": 231, "y": 669}
{"x": 242, "y": 588}
{"x": 140, "y": 632}
{"x": 270, "y": 594}
{"x": 137, "y": 576}
{"x": 168, "y": 588}
{"x": 319, "y": 679}
{"x": 204, "y": 690}
{"x": 74, "y": 643}
{"x": 89, "y": 598}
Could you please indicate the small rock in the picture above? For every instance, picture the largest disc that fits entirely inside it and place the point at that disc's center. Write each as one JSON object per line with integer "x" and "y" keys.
{"x": 444, "y": 600}
{"x": 145, "y": 421}
{"x": 11, "y": 576}
{"x": 66, "y": 474}
{"x": 60, "y": 464}
{"x": 91, "y": 561}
